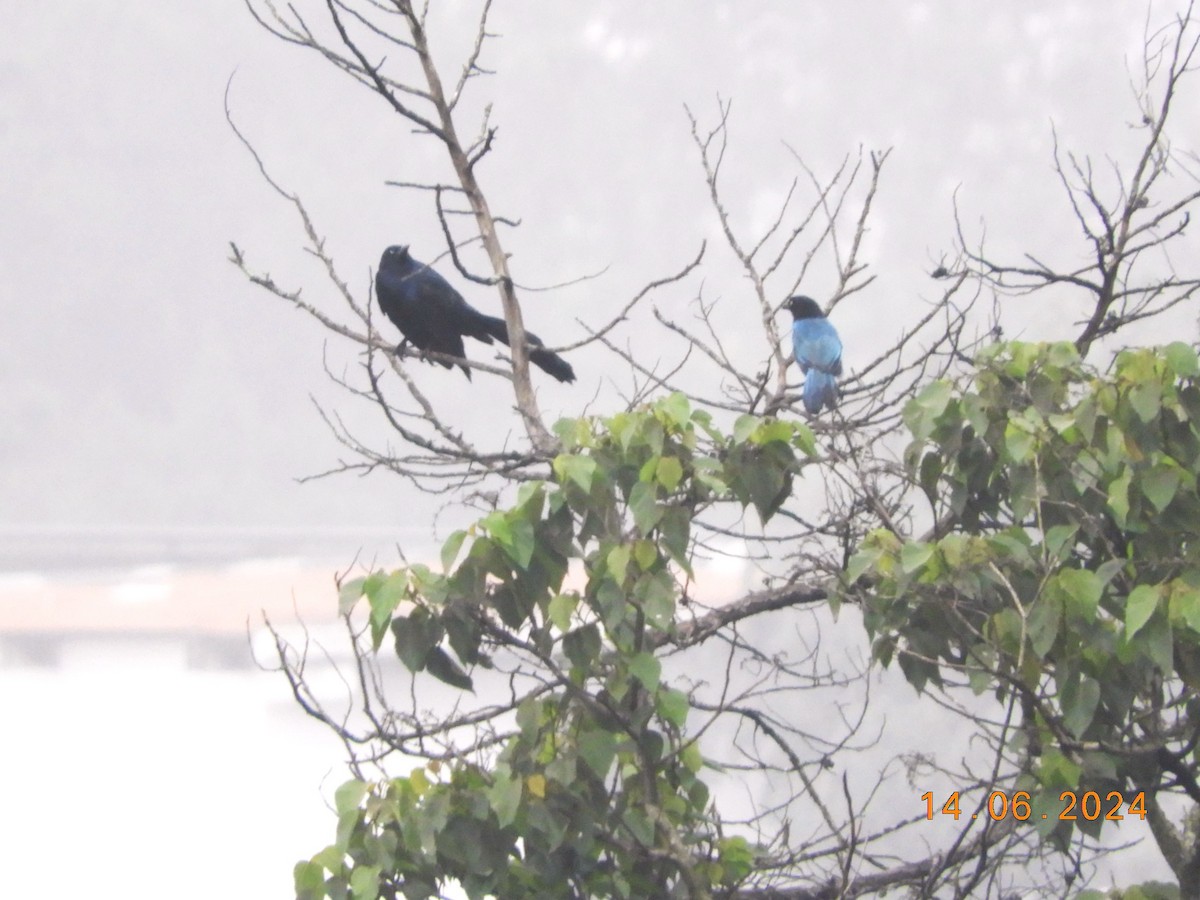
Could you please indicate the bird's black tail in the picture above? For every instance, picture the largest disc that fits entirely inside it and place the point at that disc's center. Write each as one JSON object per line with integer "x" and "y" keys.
{"x": 550, "y": 363}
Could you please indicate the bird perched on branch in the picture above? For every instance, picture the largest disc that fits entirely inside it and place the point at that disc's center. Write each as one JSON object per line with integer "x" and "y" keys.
{"x": 818, "y": 353}
{"x": 433, "y": 316}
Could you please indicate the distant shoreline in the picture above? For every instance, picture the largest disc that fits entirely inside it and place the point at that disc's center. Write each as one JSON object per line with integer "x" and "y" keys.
{"x": 60, "y": 550}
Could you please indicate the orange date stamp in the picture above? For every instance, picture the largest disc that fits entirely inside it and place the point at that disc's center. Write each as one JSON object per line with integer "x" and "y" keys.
{"x": 1088, "y": 806}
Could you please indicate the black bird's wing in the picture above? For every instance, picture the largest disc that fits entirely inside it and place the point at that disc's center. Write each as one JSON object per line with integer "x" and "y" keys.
{"x": 456, "y": 314}
{"x": 428, "y": 311}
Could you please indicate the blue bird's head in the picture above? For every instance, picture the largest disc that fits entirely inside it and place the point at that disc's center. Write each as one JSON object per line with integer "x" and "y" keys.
{"x": 804, "y": 308}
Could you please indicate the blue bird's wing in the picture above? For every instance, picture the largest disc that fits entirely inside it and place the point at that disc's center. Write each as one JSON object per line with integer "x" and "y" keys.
{"x": 819, "y": 355}
{"x": 816, "y": 344}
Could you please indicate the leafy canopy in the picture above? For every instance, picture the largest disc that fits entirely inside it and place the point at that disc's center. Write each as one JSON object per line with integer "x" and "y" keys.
{"x": 1063, "y": 569}
{"x": 595, "y": 787}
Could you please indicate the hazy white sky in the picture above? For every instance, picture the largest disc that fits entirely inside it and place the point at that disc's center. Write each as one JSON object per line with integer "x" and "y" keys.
{"x": 143, "y": 382}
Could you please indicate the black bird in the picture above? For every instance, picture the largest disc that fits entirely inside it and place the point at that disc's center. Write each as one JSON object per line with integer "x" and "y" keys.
{"x": 433, "y": 316}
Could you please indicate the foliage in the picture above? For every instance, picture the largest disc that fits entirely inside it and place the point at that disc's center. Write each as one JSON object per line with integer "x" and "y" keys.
{"x": 596, "y": 790}
{"x": 1062, "y": 569}
{"x": 1151, "y": 890}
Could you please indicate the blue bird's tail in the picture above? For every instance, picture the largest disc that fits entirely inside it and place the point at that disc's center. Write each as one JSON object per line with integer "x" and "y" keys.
{"x": 820, "y": 389}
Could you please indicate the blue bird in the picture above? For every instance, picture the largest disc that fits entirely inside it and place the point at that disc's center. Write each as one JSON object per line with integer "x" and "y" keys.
{"x": 433, "y": 316}
{"x": 818, "y": 353}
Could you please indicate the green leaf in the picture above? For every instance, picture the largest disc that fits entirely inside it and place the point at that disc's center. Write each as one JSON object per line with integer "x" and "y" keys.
{"x": 1008, "y": 630}
{"x": 767, "y": 484}
{"x": 931, "y": 468}
{"x": 499, "y": 526}
{"x": 1018, "y": 442}
{"x": 331, "y": 859}
{"x": 1057, "y": 772}
{"x": 957, "y": 551}
{"x": 451, "y": 547}
{"x": 645, "y": 554}
{"x": 677, "y": 409}
{"x": 611, "y": 603}
{"x": 737, "y": 858}
{"x": 1045, "y": 807}
{"x": 804, "y": 440}
{"x": 1079, "y": 700}
{"x": 1061, "y": 422}
{"x": 1182, "y": 359}
{"x": 1146, "y": 400}
{"x": 669, "y": 472}
{"x": 464, "y": 632}
{"x": 1109, "y": 569}
{"x": 649, "y": 467}
{"x": 914, "y": 555}
{"x": 573, "y": 432}
{"x": 1062, "y": 354}
{"x": 860, "y": 562}
{"x": 349, "y": 824}
{"x": 416, "y": 634}
{"x": 504, "y": 797}
{"x": 1044, "y": 620}
{"x": 309, "y": 880}
{"x": 473, "y": 842}
{"x": 349, "y": 796}
{"x": 1022, "y": 356}
{"x": 692, "y": 758}
{"x": 419, "y": 781}
{"x": 1156, "y": 640}
{"x": 637, "y": 820}
{"x": 443, "y": 668}
{"x": 577, "y": 469}
{"x": 672, "y": 706}
{"x": 772, "y": 430}
{"x": 647, "y": 669}
{"x": 1083, "y": 589}
{"x": 1188, "y": 600}
{"x": 1160, "y": 484}
{"x": 674, "y": 529}
{"x": 1139, "y": 607}
{"x": 384, "y": 596}
{"x": 655, "y": 591}
{"x": 349, "y": 594}
{"x": 598, "y": 749}
{"x": 582, "y": 645}
{"x": 644, "y": 507}
{"x": 1118, "y": 497}
{"x": 744, "y": 427}
{"x": 560, "y": 610}
{"x": 1085, "y": 417}
{"x": 618, "y": 562}
{"x": 1013, "y": 545}
{"x": 537, "y": 785}
{"x": 708, "y": 472}
{"x": 513, "y": 533}
{"x": 364, "y": 883}
{"x": 1059, "y": 541}
{"x": 513, "y": 602}
{"x": 934, "y": 398}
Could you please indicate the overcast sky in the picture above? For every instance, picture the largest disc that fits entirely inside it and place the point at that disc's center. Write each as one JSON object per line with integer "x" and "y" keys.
{"x": 143, "y": 382}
